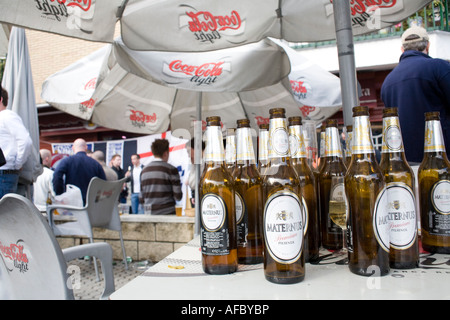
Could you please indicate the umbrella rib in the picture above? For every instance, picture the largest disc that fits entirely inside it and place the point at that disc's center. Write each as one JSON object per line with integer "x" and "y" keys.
{"x": 242, "y": 104}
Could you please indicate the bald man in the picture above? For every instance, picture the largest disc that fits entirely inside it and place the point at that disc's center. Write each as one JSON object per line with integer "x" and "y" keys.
{"x": 77, "y": 169}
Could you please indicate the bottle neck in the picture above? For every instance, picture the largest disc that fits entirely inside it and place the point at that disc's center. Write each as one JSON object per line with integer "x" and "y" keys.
{"x": 362, "y": 136}
{"x": 244, "y": 146}
{"x": 392, "y": 141}
{"x": 230, "y": 152}
{"x": 278, "y": 145}
{"x": 214, "y": 145}
{"x": 332, "y": 143}
{"x": 296, "y": 142}
{"x": 263, "y": 153}
{"x": 348, "y": 144}
{"x": 434, "y": 139}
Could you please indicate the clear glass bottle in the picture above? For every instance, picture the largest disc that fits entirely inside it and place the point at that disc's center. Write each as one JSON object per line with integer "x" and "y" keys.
{"x": 400, "y": 197}
{"x": 434, "y": 189}
{"x": 218, "y": 217}
{"x": 284, "y": 259}
{"x": 331, "y": 189}
{"x": 307, "y": 183}
{"x": 249, "y": 198}
{"x": 368, "y": 224}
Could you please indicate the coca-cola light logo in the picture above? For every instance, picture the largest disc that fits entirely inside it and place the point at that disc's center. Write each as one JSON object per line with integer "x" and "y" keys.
{"x": 368, "y": 13}
{"x": 209, "y": 27}
{"x": 206, "y": 73}
{"x": 14, "y": 256}
{"x": 75, "y": 13}
{"x": 140, "y": 119}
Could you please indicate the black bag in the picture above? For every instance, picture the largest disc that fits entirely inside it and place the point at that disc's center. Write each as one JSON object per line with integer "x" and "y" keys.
{"x": 2, "y": 158}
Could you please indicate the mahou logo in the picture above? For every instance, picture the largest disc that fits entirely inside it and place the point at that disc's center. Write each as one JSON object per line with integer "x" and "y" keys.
{"x": 14, "y": 256}
{"x": 208, "y": 26}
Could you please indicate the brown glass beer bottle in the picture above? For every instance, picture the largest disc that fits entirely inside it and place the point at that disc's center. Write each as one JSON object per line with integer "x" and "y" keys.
{"x": 218, "y": 218}
{"x": 307, "y": 184}
{"x": 249, "y": 198}
{"x": 284, "y": 259}
{"x": 263, "y": 153}
{"x": 368, "y": 223}
{"x": 401, "y": 200}
{"x": 434, "y": 189}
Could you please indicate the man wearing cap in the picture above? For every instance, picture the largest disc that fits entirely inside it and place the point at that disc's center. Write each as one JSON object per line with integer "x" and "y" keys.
{"x": 16, "y": 144}
{"x": 417, "y": 85}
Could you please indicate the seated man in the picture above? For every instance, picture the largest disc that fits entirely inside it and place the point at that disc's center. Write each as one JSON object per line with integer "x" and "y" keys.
{"x": 160, "y": 182}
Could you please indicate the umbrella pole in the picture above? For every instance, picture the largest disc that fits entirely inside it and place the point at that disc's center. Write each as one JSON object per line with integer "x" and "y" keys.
{"x": 198, "y": 161}
{"x": 346, "y": 53}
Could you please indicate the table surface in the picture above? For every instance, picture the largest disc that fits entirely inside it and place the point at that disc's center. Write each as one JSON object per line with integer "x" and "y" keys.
{"x": 180, "y": 277}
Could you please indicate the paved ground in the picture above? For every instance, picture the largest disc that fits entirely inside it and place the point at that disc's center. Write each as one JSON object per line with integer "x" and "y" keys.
{"x": 90, "y": 289}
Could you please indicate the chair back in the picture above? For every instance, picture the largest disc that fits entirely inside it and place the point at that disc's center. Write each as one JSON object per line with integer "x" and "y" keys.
{"x": 32, "y": 265}
{"x": 102, "y": 202}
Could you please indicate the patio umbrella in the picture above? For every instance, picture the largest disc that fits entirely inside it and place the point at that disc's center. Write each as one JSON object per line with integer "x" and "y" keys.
{"x": 145, "y": 91}
{"x": 93, "y": 20}
{"x": 18, "y": 81}
{"x": 198, "y": 25}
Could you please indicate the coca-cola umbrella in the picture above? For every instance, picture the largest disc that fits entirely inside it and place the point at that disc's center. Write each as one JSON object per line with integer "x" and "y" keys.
{"x": 93, "y": 20}
{"x": 146, "y": 91}
{"x": 198, "y": 25}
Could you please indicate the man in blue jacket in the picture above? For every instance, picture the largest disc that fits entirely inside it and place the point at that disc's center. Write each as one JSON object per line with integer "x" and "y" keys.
{"x": 417, "y": 85}
{"x": 77, "y": 169}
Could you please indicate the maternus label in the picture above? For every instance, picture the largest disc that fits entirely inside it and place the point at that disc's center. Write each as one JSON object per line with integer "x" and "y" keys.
{"x": 214, "y": 238}
{"x": 439, "y": 218}
{"x": 283, "y": 227}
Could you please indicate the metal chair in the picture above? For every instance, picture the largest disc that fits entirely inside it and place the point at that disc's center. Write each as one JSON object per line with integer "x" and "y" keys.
{"x": 32, "y": 264}
{"x": 100, "y": 211}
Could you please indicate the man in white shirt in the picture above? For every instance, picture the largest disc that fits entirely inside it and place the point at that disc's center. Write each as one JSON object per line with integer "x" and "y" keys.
{"x": 135, "y": 179}
{"x": 43, "y": 187}
{"x": 16, "y": 144}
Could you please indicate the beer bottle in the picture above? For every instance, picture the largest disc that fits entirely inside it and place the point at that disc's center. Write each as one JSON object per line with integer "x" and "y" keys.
{"x": 263, "y": 154}
{"x": 218, "y": 219}
{"x": 333, "y": 213}
{"x": 348, "y": 145}
{"x": 322, "y": 148}
{"x": 368, "y": 225}
{"x": 308, "y": 189}
{"x": 434, "y": 189}
{"x": 230, "y": 151}
{"x": 284, "y": 260}
{"x": 249, "y": 198}
{"x": 400, "y": 197}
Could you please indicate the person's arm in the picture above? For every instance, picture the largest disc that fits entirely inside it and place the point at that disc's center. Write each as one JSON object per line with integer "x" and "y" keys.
{"x": 58, "y": 178}
{"x": 23, "y": 140}
{"x": 176, "y": 185}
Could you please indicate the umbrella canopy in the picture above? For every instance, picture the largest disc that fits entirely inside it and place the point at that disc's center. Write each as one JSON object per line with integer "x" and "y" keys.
{"x": 146, "y": 91}
{"x": 93, "y": 20}
{"x": 18, "y": 81}
{"x": 196, "y": 25}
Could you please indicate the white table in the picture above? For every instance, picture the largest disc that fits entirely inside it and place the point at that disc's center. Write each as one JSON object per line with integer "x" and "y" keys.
{"x": 328, "y": 280}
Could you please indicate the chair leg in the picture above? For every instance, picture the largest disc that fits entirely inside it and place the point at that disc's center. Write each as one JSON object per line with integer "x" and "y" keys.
{"x": 94, "y": 259}
{"x": 123, "y": 250}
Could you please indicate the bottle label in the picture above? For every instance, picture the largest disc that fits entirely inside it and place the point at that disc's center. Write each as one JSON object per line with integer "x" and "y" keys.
{"x": 362, "y": 136}
{"x": 263, "y": 141}
{"x": 332, "y": 143}
{"x": 439, "y": 218}
{"x": 278, "y": 139}
{"x": 241, "y": 219}
{"x": 400, "y": 204}
{"x": 381, "y": 221}
{"x": 244, "y": 148}
{"x": 230, "y": 152}
{"x": 214, "y": 238}
{"x": 296, "y": 142}
{"x": 392, "y": 136}
{"x": 214, "y": 144}
{"x": 434, "y": 140}
{"x": 283, "y": 227}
